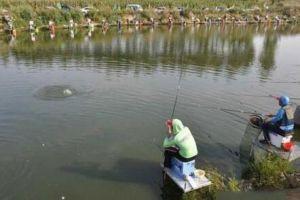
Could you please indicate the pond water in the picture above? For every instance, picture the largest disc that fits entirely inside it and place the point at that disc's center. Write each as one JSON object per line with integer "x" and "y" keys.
{"x": 83, "y": 117}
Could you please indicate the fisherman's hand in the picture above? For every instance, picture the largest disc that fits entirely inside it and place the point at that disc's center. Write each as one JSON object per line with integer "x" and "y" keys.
{"x": 168, "y": 123}
{"x": 169, "y": 127}
{"x": 169, "y": 133}
{"x": 268, "y": 119}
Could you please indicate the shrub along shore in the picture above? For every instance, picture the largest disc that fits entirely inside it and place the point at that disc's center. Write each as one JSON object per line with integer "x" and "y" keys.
{"x": 153, "y": 11}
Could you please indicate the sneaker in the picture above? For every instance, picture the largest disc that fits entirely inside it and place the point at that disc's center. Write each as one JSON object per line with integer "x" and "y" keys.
{"x": 262, "y": 141}
{"x": 265, "y": 142}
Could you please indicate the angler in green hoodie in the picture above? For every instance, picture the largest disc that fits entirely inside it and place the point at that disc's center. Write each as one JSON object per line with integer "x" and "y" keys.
{"x": 179, "y": 143}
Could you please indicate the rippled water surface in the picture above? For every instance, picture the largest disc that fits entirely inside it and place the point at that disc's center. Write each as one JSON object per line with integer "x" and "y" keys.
{"x": 104, "y": 140}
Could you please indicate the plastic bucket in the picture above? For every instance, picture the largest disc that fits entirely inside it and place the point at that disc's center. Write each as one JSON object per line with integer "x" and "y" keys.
{"x": 288, "y": 146}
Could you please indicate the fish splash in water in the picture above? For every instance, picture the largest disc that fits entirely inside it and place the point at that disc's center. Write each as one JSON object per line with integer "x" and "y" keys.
{"x": 55, "y": 92}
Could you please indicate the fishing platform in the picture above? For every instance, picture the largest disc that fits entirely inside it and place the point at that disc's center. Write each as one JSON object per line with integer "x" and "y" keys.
{"x": 280, "y": 145}
{"x": 186, "y": 176}
{"x": 259, "y": 148}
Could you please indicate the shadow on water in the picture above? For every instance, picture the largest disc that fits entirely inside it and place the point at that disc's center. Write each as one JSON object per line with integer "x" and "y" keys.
{"x": 126, "y": 170}
{"x": 129, "y": 170}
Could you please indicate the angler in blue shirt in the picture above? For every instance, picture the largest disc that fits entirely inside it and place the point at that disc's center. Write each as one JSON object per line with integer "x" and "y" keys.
{"x": 283, "y": 122}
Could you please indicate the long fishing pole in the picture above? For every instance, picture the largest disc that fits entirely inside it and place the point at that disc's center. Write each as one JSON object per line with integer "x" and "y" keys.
{"x": 232, "y": 110}
{"x": 263, "y": 96}
{"x": 177, "y": 91}
{"x": 175, "y": 101}
{"x": 236, "y": 112}
{"x": 239, "y": 111}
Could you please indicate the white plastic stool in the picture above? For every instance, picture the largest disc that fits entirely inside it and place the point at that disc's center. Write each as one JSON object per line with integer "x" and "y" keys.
{"x": 277, "y": 139}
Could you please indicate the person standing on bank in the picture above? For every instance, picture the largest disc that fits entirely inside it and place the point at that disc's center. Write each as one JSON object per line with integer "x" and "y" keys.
{"x": 179, "y": 143}
{"x": 282, "y": 123}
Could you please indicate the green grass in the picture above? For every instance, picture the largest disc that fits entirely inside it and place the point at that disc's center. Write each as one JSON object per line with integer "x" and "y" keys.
{"x": 42, "y": 11}
{"x": 270, "y": 172}
{"x": 144, "y": 3}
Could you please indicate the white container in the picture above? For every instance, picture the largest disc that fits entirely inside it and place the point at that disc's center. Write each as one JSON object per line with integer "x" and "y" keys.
{"x": 277, "y": 139}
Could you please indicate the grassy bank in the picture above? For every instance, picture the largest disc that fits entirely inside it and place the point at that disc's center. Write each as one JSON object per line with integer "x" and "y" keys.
{"x": 42, "y": 11}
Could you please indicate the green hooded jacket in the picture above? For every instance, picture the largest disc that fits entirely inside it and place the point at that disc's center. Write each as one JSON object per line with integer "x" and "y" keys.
{"x": 183, "y": 139}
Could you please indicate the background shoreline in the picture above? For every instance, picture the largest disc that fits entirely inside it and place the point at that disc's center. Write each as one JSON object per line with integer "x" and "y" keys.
{"x": 162, "y": 12}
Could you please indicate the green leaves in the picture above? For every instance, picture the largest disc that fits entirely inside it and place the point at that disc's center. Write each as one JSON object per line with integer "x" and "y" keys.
{"x": 269, "y": 172}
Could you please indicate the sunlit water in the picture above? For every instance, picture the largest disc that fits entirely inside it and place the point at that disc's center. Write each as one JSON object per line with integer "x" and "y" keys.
{"x": 104, "y": 140}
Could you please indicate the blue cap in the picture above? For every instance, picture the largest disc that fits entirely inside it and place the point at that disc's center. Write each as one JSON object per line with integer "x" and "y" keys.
{"x": 284, "y": 100}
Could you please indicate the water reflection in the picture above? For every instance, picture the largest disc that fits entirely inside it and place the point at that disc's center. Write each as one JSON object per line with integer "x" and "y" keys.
{"x": 267, "y": 57}
{"x": 72, "y": 33}
{"x": 200, "y": 48}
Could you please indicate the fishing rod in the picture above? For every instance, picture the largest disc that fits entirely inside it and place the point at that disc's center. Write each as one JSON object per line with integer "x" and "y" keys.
{"x": 277, "y": 98}
{"x": 177, "y": 90}
{"x": 264, "y": 96}
{"x": 284, "y": 82}
{"x": 176, "y": 97}
{"x": 232, "y": 110}
{"x": 175, "y": 101}
{"x": 239, "y": 111}
{"x": 236, "y": 112}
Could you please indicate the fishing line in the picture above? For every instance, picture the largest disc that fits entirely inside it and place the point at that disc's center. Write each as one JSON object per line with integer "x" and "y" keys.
{"x": 232, "y": 152}
{"x": 236, "y": 115}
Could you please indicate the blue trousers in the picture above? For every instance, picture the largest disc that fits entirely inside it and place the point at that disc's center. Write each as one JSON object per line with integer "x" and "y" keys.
{"x": 174, "y": 152}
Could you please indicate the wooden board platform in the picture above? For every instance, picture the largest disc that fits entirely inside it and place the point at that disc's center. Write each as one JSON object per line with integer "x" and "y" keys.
{"x": 192, "y": 183}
